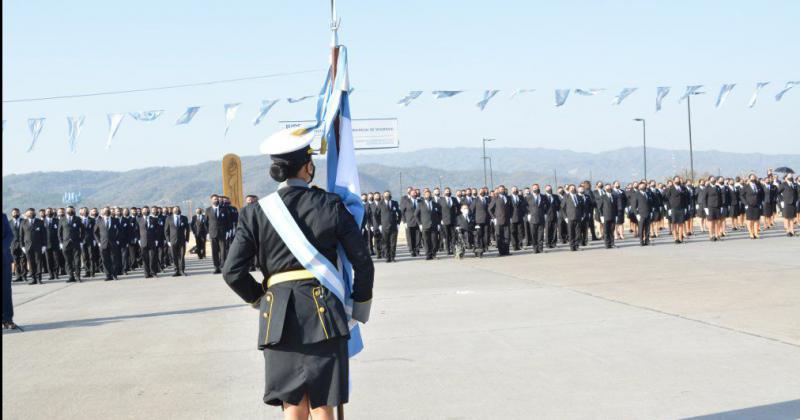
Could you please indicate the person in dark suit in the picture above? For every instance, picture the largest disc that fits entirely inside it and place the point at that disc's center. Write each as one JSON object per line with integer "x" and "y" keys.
{"x": 789, "y": 200}
{"x": 20, "y": 262}
{"x": 450, "y": 209}
{"x": 587, "y": 204}
{"x": 123, "y": 236}
{"x": 134, "y": 253}
{"x": 218, "y": 226}
{"x": 176, "y": 232}
{"x": 572, "y": 213}
{"x": 409, "y": 209}
{"x": 480, "y": 211}
{"x": 644, "y": 204}
{"x": 677, "y": 199}
{"x": 621, "y": 199}
{"x": 713, "y": 199}
{"x": 501, "y": 211}
{"x": 769, "y": 207}
{"x": 87, "y": 242}
{"x": 366, "y": 228}
{"x": 388, "y": 217}
{"x": 552, "y": 222}
{"x": 519, "y": 209}
{"x": 148, "y": 242}
{"x": 33, "y": 237}
{"x": 106, "y": 232}
{"x": 374, "y": 223}
{"x": 428, "y": 216}
{"x": 62, "y": 262}
{"x": 608, "y": 208}
{"x": 199, "y": 227}
{"x": 8, "y": 305}
{"x": 752, "y": 197}
{"x": 71, "y": 234}
{"x": 465, "y": 227}
{"x": 53, "y": 246}
{"x": 537, "y": 209}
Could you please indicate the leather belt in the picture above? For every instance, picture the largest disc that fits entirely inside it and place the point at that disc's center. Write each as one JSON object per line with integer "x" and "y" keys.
{"x": 293, "y": 275}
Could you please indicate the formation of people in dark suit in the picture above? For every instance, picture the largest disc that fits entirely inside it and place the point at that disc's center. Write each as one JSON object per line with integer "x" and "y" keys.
{"x": 114, "y": 241}
{"x": 474, "y": 219}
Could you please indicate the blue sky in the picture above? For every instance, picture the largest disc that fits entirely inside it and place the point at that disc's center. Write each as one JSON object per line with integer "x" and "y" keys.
{"x": 56, "y": 48}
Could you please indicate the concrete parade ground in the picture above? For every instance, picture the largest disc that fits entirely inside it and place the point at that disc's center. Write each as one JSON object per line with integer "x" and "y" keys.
{"x": 699, "y": 330}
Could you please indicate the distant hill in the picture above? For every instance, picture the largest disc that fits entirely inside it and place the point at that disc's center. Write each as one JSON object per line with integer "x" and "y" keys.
{"x": 456, "y": 167}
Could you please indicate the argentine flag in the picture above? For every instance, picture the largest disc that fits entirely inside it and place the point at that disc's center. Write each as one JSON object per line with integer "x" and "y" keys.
{"x": 333, "y": 104}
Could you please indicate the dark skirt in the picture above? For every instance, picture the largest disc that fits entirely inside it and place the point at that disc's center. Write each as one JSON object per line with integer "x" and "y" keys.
{"x": 713, "y": 213}
{"x": 789, "y": 211}
{"x": 768, "y": 209}
{"x": 678, "y": 216}
{"x": 753, "y": 213}
{"x": 294, "y": 369}
{"x": 620, "y": 218}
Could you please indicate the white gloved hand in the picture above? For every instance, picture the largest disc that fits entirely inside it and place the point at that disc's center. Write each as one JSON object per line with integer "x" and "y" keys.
{"x": 706, "y": 209}
{"x": 602, "y": 219}
{"x": 478, "y": 227}
{"x": 23, "y": 250}
{"x": 61, "y": 246}
{"x": 669, "y": 212}
{"x": 529, "y": 217}
{"x": 380, "y": 229}
{"x": 44, "y": 248}
{"x": 156, "y": 243}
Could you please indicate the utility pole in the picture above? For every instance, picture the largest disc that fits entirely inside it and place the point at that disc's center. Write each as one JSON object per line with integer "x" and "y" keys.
{"x": 484, "y": 158}
{"x": 644, "y": 143}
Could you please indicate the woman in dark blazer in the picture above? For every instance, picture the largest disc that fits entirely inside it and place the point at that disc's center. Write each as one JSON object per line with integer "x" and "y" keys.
{"x": 753, "y": 199}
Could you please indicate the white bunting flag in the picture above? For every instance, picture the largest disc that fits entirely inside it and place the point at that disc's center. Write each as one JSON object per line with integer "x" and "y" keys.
{"x": 759, "y": 86}
{"x": 724, "y": 91}
{"x": 624, "y": 93}
{"x": 588, "y": 92}
{"x": 114, "y": 121}
{"x": 187, "y": 115}
{"x": 561, "y": 96}
{"x": 146, "y": 116}
{"x": 691, "y": 90}
{"x": 518, "y": 92}
{"x": 785, "y": 89}
{"x": 35, "y": 126}
{"x": 266, "y": 105}
{"x": 414, "y": 94}
{"x": 300, "y": 99}
{"x": 487, "y": 96}
{"x": 230, "y": 115}
{"x": 74, "y": 126}
{"x": 445, "y": 93}
{"x": 661, "y": 92}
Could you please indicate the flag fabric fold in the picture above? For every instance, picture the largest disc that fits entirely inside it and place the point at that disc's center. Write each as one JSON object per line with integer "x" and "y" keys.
{"x": 561, "y": 96}
{"x": 266, "y": 105}
{"x": 487, "y": 96}
{"x": 440, "y": 94}
{"x": 35, "y": 126}
{"x": 406, "y": 100}
{"x": 114, "y": 121}
{"x": 724, "y": 91}
{"x": 754, "y": 98}
{"x": 691, "y": 90}
{"x": 661, "y": 92}
{"x": 146, "y": 116}
{"x": 298, "y": 99}
{"x": 624, "y": 93}
{"x": 230, "y": 115}
{"x": 588, "y": 92}
{"x": 74, "y": 126}
{"x": 187, "y": 115}
{"x": 518, "y": 92}
{"x": 786, "y": 88}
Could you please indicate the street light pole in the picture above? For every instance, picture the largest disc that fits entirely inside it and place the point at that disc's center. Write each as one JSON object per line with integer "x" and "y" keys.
{"x": 644, "y": 143}
{"x": 491, "y": 173}
{"x": 691, "y": 151}
{"x": 484, "y": 158}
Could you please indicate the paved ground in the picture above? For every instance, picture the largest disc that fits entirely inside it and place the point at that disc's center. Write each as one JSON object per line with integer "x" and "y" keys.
{"x": 708, "y": 330}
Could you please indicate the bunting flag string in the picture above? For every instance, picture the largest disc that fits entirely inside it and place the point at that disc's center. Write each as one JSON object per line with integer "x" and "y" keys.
{"x": 440, "y": 94}
{"x": 75, "y": 124}
{"x": 661, "y": 92}
{"x": 114, "y": 121}
{"x": 35, "y": 126}
{"x": 561, "y": 96}
{"x": 487, "y": 96}
{"x": 785, "y": 89}
{"x": 624, "y": 93}
{"x": 187, "y": 115}
{"x": 724, "y": 91}
{"x": 405, "y": 100}
{"x": 146, "y": 116}
{"x": 266, "y": 105}
{"x": 230, "y": 115}
{"x": 759, "y": 86}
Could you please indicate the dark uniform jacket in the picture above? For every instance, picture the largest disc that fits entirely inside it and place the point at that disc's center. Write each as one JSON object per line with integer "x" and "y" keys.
{"x": 148, "y": 231}
{"x": 465, "y": 224}
{"x": 607, "y": 206}
{"x": 428, "y": 214}
{"x": 176, "y": 234}
{"x": 538, "y": 211}
{"x": 553, "y": 207}
{"x": 52, "y": 232}
{"x": 572, "y": 210}
{"x": 218, "y": 225}
{"x": 449, "y": 210}
{"x": 33, "y": 235}
{"x": 326, "y": 223}
{"x": 200, "y": 226}
{"x": 106, "y": 235}
{"x": 480, "y": 210}
{"x": 71, "y": 232}
{"x": 678, "y": 199}
{"x": 88, "y": 230}
{"x": 16, "y": 224}
{"x": 408, "y": 210}
{"x": 388, "y": 216}
{"x": 500, "y": 208}
{"x": 713, "y": 196}
{"x": 644, "y": 202}
{"x": 752, "y": 194}
{"x": 789, "y": 193}
{"x": 519, "y": 209}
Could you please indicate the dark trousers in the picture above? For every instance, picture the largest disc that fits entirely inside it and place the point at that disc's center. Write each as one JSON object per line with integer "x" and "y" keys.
{"x": 590, "y": 223}
{"x": 482, "y": 236}
{"x": 179, "y": 257}
{"x": 583, "y": 228}
{"x": 563, "y": 231}
{"x": 366, "y": 233}
{"x": 503, "y": 238}
{"x": 378, "y": 239}
{"x": 644, "y": 230}
{"x": 20, "y": 263}
{"x": 133, "y": 256}
{"x": 449, "y": 238}
{"x": 573, "y": 232}
{"x": 72, "y": 258}
{"x": 219, "y": 251}
{"x": 412, "y": 239}
{"x": 62, "y": 261}
{"x": 109, "y": 266}
{"x": 389, "y": 244}
{"x": 88, "y": 259}
{"x": 51, "y": 255}
{"x": 608, "y": 233}
{"x": 528, "y": 232}
{"x": 551, "y": 232}
{"x": 123, "y": 260}
{"x": 150, "y": 261}
{"x": 537, "y": 237}
{"x": 517, "y": 234}
{"x": 165, "y": 255}
{"x": 8, "y": 306}
{"x": 36, "y": 261}
{"x": 201, "y": 246}
{"x": 429, "y": 242}
{"x": 96, "y": 259}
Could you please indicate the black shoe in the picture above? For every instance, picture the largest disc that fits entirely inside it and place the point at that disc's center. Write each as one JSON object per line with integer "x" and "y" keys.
{"x": 677, "y": 241}
{"x": 217, "y": 271}
{"x": 71, "y": 280}
{"x": 32, "y": 282}
{"x": 148, "y": 276}
{"x": 109, "y": 278}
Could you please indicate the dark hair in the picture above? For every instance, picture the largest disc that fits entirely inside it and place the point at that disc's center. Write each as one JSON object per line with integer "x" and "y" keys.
{"x": 281, "y": 170}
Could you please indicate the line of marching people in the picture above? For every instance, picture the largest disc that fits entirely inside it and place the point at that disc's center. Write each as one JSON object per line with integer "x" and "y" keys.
{"x": 115, "y": 241}
{"x": 474, "y": 219}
